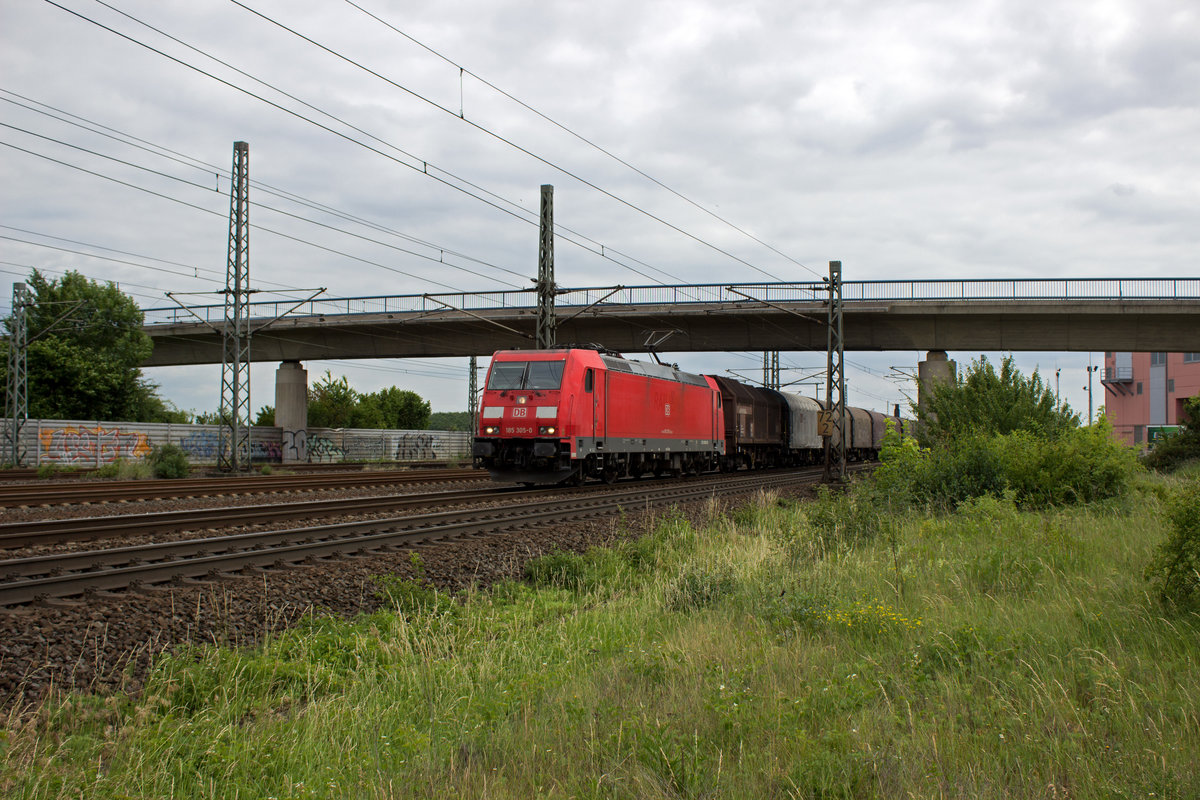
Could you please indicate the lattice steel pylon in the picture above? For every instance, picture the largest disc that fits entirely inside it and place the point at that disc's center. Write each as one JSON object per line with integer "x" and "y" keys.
{"x": 234, "y": 438}
{"x": 835, "y": 382}
{"x": 771, "y": 378}
{"x": 16, "y": 398}
{"x": 546, "y": 324}
{"x": 473, "y": 394}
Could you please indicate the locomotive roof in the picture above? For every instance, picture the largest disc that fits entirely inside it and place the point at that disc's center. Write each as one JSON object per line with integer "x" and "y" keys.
{"x": 663, "y": 371}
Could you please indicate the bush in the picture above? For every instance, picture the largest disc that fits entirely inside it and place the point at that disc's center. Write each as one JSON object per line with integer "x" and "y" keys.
{"x": 1181, "y": 447}
{"x": 1175, "y": 571}
{"x": 124, "y": 469}
{"x": 1076, "y": 466}
{"x": 168, "y": 461}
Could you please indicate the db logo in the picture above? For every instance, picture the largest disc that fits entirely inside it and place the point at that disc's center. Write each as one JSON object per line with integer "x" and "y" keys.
{"x": 519, "y": 412}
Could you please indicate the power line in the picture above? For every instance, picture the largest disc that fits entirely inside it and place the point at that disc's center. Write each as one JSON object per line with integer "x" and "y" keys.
{"x": 219, "y": 214}
{"x": 422, "y": 166}
{"x": 263, "y": 206}
{"x": 509, "y": 142}
{"x": 464, "y": 71}
{"x": 198, "y": 164}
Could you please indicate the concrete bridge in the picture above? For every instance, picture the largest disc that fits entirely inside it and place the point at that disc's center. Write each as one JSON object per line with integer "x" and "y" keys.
{"x": 1125, "y": 314}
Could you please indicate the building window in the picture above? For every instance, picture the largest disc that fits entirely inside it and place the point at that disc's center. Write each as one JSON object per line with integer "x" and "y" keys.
{"x": 1139, "y": 387}
{"x": 1170, "y": 386}
{"x": 1108, "y": 354}
{"x": 1137, "y": 434}
{"x": 1158, "y": 359}
{"x": 1191, "y": 358}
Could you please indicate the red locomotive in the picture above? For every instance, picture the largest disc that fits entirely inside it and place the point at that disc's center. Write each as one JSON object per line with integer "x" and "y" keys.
{"x": 568, "y": 414}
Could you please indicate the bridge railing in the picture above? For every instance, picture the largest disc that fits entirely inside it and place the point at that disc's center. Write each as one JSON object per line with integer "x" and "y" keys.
{"x": 981, "y": 290}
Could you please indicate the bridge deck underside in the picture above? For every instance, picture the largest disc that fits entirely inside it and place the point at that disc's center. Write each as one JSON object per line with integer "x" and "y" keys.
{"x": 1039, "y": 326}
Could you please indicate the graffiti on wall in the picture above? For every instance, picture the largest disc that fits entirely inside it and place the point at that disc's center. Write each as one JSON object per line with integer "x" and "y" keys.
{"x": 295, "y": 445}
{"x": 265, "y": 450}
{"x": 201, "y": 445}
{"x": 324, "y": 450}
{"x": 415, "y": 447}
{"x": 89, "y": 446}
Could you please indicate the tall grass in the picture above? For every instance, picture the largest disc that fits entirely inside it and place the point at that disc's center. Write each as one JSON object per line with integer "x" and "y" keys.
{"x": 989, "y": 652}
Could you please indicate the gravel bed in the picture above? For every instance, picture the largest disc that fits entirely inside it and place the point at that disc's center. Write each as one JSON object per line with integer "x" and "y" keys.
{"x": 106, "y": 643}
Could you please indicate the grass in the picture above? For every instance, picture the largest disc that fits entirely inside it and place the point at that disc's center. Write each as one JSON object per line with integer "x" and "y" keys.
{"x": 987, "y": 653}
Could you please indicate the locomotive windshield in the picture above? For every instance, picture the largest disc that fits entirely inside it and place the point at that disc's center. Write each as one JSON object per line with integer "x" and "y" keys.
{"x": 526, "y": 375}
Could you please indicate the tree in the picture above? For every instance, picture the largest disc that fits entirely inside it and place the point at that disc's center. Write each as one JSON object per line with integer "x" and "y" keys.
{"x": 988, "y": 403}
{"x": 401, "y": 409}
{"x": 85, "y": 344}
{"x": 449, "y": 421}
{"x": 331, "y": 403}
{"x": 266, "y": 416}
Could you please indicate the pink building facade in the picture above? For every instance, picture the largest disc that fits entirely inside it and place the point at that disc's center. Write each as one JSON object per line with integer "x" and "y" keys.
{"x": 1142, "y": 389}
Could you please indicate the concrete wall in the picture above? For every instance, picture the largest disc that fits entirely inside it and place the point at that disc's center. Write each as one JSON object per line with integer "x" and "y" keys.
{"x": 94, "y": 444}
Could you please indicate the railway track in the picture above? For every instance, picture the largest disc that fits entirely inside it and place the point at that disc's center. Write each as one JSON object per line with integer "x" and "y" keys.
{"x": 15, "y": 535}
{"x": 43, "y": 494}
{"x": 44, "y": 578}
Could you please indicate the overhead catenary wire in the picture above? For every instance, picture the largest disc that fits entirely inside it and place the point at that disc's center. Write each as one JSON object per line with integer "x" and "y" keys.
{"x": 210, "y": 169}
{"x": 257, "y": 205}
{"x": 462, "y": 114}
{"x": 419, "y": 165}
{"x": 487, "y": 131}
{"x": 219, "y": 214}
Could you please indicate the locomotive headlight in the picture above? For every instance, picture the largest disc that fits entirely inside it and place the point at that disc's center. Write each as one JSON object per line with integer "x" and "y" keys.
{"x": 547, "y": 430}
{"x": 491, "y": 429}
{"x": 521, "y": 400}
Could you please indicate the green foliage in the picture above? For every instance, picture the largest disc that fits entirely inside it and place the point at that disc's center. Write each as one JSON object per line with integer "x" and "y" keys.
{"x": 265, "y": 417}
{"x": 1175, "y": 571}
{"x": 207, "y": 418}
{"x": 333, "y": 403}
{"x": 699, "y": 587}
{"x": 85, "y": 347}
{"x": 124, "y": 469}
{"x": 449, "y": 421}
{"x": 1078, "y": 465}
{"x": 988, "y": 403}
{"x": 399, "y": 409}
{"x": 168, "y": 461}
{"x": 1181, "y": 447}
{"x": 837, "y": 520}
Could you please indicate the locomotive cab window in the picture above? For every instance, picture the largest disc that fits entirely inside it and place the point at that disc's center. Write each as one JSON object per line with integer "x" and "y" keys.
{"x": 544, "y": 375}
{"x": 508, "y": 375}
{"x": 588, "y": 380}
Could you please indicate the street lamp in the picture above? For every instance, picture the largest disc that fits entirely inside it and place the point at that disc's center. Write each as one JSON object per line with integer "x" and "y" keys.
{"x": 1090, "y": 370}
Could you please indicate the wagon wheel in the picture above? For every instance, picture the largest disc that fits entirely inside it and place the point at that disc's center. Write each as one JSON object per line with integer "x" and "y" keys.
{"x": 609, "y": 475}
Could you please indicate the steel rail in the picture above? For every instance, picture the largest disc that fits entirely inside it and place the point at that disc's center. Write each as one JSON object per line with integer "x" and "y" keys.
{"x": 102, "y": 491}
{"x": 32, "y": 579}
{"x": 15, "y": 535}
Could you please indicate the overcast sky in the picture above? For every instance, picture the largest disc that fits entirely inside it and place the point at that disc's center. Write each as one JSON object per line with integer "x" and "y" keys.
{"x": 906, "y": 139}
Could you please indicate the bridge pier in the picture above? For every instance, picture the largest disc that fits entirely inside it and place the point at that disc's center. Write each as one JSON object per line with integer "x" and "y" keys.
{"x": 936, "y": 370}
{"x": 291, "y": 410}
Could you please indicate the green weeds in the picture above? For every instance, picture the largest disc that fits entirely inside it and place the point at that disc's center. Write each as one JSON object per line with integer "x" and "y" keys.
{"x": 789, "y": 650}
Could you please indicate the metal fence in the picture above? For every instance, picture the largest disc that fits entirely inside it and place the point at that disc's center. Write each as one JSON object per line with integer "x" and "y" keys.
{"x": 852, "y": 291}
{"x": 90, "y": 445}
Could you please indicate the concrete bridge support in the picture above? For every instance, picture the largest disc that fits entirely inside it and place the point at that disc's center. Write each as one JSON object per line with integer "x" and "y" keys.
{"x": 936, "y": 370}
{"x": 291, "y": 410}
